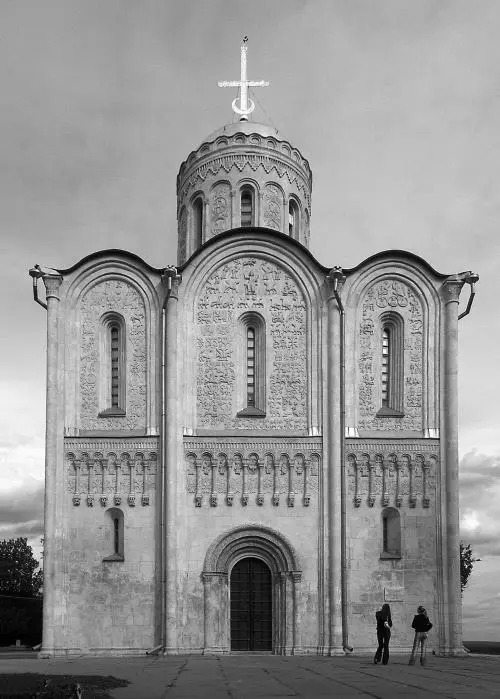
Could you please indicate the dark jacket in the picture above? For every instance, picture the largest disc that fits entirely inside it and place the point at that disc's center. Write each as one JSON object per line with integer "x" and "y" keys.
{"x": 421, "y": 623}
{"x": 381, "y": 619}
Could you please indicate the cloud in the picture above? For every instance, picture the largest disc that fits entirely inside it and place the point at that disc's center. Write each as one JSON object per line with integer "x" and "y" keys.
{"x": 479, "y": 496}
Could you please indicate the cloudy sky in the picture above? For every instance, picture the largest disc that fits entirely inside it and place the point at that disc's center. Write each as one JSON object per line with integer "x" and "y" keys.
{"x": 395, "y": 103}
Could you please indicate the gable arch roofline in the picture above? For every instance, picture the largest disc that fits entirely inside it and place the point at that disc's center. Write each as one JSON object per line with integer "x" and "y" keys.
{"x": 247, "y": 230}
{"x": 105, "y": 270}
{"x": 401, "y": 270}
{"x": 113, "y": 253}
{"x": 309, "y": 281}
{"x": 395, "y": 255}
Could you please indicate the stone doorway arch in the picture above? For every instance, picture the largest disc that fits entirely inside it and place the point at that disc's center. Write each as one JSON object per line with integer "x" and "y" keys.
{"x": 254, "y": 541}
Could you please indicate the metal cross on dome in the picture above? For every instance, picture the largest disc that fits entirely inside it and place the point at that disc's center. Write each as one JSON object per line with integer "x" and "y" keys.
{"x": 246, "y": 103}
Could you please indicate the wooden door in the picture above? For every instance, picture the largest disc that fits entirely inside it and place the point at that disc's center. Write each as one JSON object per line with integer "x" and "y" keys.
{"x": 251, "y": 606}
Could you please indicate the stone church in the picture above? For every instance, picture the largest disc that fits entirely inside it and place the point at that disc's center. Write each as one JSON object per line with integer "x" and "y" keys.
{"x": 249, "y": 450}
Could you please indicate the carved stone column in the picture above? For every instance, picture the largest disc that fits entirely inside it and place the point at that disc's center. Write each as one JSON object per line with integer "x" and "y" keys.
{"x": 244, "y": 494}
{"x": 296, "y": 577}
{"x": 104, "y": 463}
{"x": 198, "y": 497}
{"x": 145, "y": 494}
{"x": 54, "y": 472}
{"x": 334, "y": 471}
{"x": 450, "y": 292}
{"x": 76, "y": 493}
{"x": 171, "y": 460}
{"x": 216, "y": 608}
{"x": 383, "y": 467}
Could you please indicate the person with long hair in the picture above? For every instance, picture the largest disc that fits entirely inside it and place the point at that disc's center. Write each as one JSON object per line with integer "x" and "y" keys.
{"x": 422, "y": 625}
{"x": 384, "y": 624}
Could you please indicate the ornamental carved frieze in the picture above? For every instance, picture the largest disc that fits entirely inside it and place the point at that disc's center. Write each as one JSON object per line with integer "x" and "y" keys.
{"x": 110, "y": 472}
{"x": 383, "y": 298}
{"x": 386, "y": 475}
{"x": 249, "y": 162}
{"x": 251, "y": 284}
{"x": 273, "y": 207}
{"x": 252, "y": 472}
{"x": 220, "y": 208}
{"x": 117, "y": 296}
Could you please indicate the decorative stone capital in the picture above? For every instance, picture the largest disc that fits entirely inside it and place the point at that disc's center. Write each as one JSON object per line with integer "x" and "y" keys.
{"x": 76, "y": 500}
{"x": 260, "y": 499}
{"x": 117, "y": 500}
{"x": 230, "y": 499}
{"x": 452, "y": 286}
{"x": 103, "y": 500}
{"x": 244, "y": 499}
{"x": 307, "y": 500}
{"x": 171, "y": 280}
{"x": 276, "y": 499}
{"x": 209, "y": 576}
{"x": 213, "y": 500}
{"x": 357, "y": 501}
{"x": 291, "y": 499}
{"x": 52, "y": 280}
{"x": 198, "y": 499}
{"x": 131, "y": 500}
{"x": 145, "y": 500}
{"x": 335, "y": 280}
{"x": 90, "y": 500}
{"x": 296, "y": 575}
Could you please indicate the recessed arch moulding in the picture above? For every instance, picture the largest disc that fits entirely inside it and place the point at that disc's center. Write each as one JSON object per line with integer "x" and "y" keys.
{"x": 242, "y": 157}
{"x": 396, "y": 289}
{"x": 216, "y": 294}
{"x": 278, "y": 554}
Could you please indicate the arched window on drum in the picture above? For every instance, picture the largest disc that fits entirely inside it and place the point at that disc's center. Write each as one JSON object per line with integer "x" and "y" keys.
{"x": 247, "y": 204}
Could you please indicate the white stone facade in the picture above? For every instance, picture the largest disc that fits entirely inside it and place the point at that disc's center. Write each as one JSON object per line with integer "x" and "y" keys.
{"x": 305, "y": 478}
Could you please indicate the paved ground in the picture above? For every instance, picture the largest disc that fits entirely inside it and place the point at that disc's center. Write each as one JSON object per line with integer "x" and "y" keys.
{"x": 266, "y": 676}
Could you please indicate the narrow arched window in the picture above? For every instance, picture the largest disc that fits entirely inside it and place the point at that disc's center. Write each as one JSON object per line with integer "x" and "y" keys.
{"x": 116, "y": 533}
{"x": 293, "y": 219}
{"x": 113, "y": 367}
{"x": 114, "y": 330}
{"x": 197, "y": 223}
{"x": 252, "y": 359}
{"x": 250, "y": 367}
{"x": 246, "y": 207}
{"x": 386, "y": 362}
{"x": 391, "y": 365}
{"x": 391, "y": 533}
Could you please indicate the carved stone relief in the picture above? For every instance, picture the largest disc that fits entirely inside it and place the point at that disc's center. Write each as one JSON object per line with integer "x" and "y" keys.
{"x": 389, "y": 475}
{"x": 118, "y": 296}
{"x": 381, "y": 297}
{"x": 251, "y": 472}
{"x": 242, "y": 285}
{"x": 220, "y": 208}
{"x": 273, "y": 207}
{"x": 110, "y": 472}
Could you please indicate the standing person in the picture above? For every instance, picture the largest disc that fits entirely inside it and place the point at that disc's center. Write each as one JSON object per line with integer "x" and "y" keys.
{"x": 422, "y": 625}
{"x": 384, "y": 623}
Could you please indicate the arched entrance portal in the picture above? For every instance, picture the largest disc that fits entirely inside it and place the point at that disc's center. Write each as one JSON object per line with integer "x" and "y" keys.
{"x": 251, "y": 605}
{"x": 274, "y": 567}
